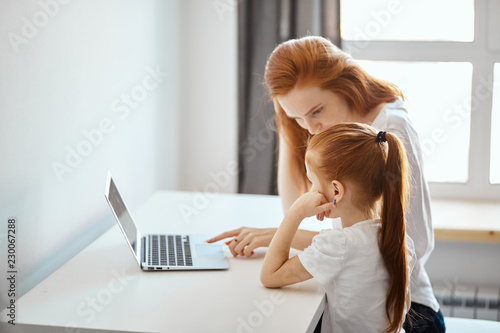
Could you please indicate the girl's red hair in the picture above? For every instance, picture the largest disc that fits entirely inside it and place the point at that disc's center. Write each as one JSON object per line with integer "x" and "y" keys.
{"x": 318, "y": 62}
{"x": 377, "y": 170}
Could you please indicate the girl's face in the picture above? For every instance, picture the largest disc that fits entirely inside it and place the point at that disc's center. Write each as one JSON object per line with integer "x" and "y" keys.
{"x": 336, "y": 191}
{"x": 317, "y": 186}
{"x": 315, "y": 109}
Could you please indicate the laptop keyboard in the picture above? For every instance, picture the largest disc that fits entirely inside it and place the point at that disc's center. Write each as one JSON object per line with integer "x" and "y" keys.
{"x": 169, "y": 250}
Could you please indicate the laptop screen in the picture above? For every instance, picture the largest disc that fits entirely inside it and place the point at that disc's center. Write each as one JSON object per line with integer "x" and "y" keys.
{"x": 123, "y": 216}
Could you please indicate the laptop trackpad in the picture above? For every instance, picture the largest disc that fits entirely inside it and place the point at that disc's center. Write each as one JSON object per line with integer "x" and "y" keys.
{"x": 211, "y": 250}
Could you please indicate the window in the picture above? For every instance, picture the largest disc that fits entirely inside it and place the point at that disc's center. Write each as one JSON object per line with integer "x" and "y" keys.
{"x": 495, "y": 129}
{"x": 405, "y": 20}
{"x": 445, "y": 144}
{"x": 448, "y": 67}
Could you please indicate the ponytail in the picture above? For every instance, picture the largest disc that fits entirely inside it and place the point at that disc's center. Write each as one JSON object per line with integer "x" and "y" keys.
{"x": 392, "y": 237}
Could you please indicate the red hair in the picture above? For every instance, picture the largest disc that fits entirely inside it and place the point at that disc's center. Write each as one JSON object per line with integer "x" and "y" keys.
{"x": 317, "y": 61}
{"x": 376, "y": 170}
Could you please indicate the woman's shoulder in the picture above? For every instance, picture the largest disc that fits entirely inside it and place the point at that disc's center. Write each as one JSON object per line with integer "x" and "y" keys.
{"x": 394, "y": 118}
{"x": 392, "y": 115}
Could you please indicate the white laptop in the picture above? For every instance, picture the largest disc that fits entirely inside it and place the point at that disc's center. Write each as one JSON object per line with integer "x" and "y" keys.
{"x": 163, "y": 251}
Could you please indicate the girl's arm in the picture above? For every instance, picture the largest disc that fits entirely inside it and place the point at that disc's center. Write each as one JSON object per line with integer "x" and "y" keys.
{"x": 278, "y": 270}
{"x": 303, "y": 238}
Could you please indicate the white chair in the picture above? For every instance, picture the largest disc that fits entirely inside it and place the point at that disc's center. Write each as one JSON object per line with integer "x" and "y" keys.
{"x": 462, "y": 325}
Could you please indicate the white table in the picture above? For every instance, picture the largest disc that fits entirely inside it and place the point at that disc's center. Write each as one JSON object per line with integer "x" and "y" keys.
{"x": 103, "y": 289}
{"x": 461, "y": 325}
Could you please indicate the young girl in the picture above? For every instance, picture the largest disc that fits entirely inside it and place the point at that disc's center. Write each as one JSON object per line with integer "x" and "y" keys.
{"x": 365, "y": 266}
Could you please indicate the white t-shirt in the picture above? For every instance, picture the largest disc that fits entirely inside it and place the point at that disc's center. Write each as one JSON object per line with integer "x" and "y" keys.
{"x": 348, "y": 264}
{"x": 393, "y": 118}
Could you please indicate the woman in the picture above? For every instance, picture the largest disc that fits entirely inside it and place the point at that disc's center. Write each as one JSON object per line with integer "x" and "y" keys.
{"x": 315, "y": 85}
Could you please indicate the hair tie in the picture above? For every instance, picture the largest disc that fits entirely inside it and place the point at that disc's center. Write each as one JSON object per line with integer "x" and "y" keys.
{"x": 381, "y": 136}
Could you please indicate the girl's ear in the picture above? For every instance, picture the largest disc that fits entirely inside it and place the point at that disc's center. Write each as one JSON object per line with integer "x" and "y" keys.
{"x": 338, "y": 190}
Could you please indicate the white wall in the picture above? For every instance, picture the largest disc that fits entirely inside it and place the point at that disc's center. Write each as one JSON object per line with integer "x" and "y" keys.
{"x": 208, "y": 100}
{"x": 66, "y": 68}
{"x": 468, "y": 263}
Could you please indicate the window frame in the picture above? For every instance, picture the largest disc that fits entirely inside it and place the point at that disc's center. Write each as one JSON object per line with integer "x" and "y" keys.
{"x": 483, "y": 52}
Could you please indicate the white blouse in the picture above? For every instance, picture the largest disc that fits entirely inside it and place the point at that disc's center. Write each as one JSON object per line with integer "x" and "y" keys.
{"x": 348, "y": 264}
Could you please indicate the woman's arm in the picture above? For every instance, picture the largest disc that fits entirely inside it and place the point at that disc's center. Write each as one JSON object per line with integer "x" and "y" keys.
{"x": 248, "y": 239}
{"x": 418, "y": 216}
{"x": 287, "y": 188}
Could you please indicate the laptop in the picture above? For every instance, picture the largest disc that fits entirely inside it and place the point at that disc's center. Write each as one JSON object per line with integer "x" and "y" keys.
{"x": 163, "y": 251}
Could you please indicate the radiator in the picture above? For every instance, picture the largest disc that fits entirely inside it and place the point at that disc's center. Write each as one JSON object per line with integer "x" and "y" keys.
{"x": 468, "y": 301}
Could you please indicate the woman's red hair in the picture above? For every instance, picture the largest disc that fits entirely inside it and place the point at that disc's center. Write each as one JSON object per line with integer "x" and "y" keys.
{"x": 318, "y": 62}
{"x": 377, "y": 170}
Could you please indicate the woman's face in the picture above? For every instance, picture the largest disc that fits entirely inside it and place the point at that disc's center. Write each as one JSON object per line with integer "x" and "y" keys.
{"x": 314, "y": 109}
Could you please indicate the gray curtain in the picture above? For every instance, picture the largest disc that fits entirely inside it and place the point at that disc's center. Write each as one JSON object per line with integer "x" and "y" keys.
{"x": 263, "y": 24}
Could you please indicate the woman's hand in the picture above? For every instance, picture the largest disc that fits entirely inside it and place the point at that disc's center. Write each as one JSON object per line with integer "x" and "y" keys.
{"x": 309, "y": 204}
{"x": 248, "y": 239}
{"x": 245, "y": 239}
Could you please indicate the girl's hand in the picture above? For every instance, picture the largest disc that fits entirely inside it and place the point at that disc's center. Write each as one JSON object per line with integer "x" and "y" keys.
{"x": 311, "y": 203}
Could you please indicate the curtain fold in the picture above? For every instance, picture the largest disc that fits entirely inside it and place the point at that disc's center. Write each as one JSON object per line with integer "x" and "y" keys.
{"x": 262, "y": 25}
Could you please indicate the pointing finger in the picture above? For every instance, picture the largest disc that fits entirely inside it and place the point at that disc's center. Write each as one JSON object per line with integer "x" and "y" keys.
{"x": 227, "y": 234}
